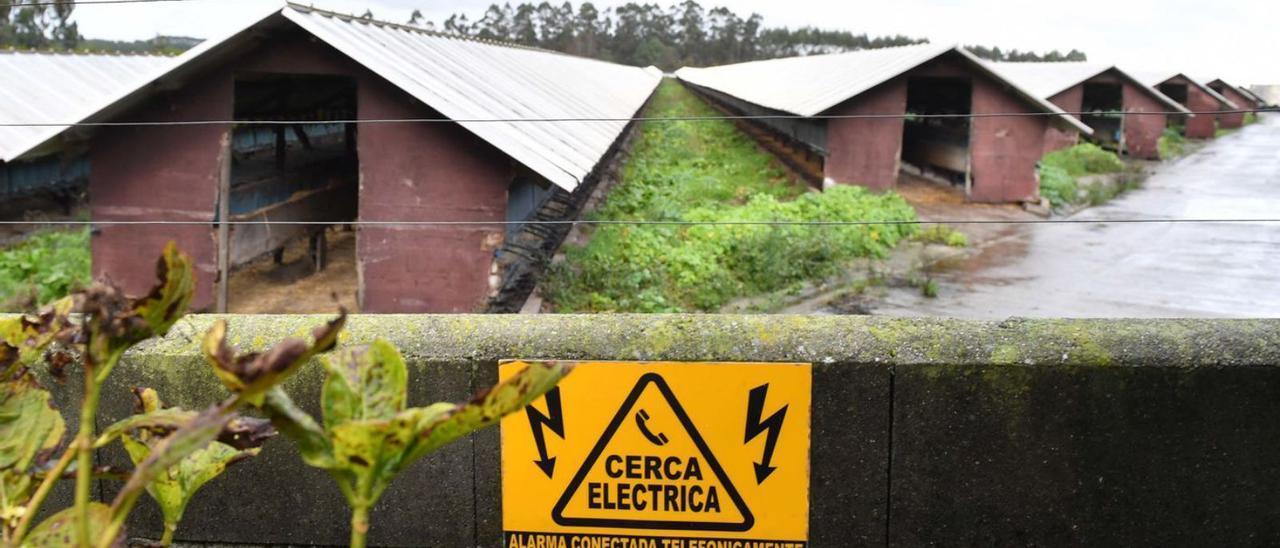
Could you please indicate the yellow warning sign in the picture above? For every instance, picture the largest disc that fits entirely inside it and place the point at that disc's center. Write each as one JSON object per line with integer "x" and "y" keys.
{"x": 660, "y": 454}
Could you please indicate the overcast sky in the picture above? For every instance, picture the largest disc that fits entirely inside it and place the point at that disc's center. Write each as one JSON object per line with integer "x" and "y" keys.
{"x": 1235, "y": 40}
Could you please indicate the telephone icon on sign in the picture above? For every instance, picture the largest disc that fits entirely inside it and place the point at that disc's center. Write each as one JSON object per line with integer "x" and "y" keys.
{"x": 641, "y": 422}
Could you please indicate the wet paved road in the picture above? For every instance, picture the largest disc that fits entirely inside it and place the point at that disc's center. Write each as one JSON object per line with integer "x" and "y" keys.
{"x": 1138, "y": 270}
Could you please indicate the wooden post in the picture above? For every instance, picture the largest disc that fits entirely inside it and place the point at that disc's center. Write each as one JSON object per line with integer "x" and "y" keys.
{"x": 224, "y": 229}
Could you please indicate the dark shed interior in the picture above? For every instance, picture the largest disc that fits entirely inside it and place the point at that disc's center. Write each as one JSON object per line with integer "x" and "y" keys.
{"x": 938, "y": 145}
{"x": 296, "y": 173}
{"x": 1103, "y": 106}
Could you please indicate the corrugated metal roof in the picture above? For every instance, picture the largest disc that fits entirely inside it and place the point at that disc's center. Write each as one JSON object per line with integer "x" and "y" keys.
{"x": 1238, "y": 89}
{"x": 468, "y": 79}
{"x": 1049, "y": 79}
{"x": 1155, "y": 78}
{"x": 462, "y": 78}
{"x": 45, "y": 87}
{"x": 809, "y": 86}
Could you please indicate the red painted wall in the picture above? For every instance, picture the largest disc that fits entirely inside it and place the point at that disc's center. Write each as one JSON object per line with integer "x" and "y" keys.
{"x": 427, "y": 172}
{"x": 1200, "y": 126}
{"x": 1005, "y": 149}
{"x": 866, "y": 151}
{"x": 159, "y": 173}
{"x": 1056, "y": 138}
{"x": 1235, "y": 119}
{"x": 1142, "y": 133}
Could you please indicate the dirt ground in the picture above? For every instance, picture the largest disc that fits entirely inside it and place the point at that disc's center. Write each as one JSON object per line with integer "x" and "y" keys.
{"x": 263, "y": 287}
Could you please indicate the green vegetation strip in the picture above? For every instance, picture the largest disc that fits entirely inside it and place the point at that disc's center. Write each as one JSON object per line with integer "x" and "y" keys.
{"x": 1172, "y": 144}
{"x": 44, "y": 267}
{"x": 710, "y": 171}
{"x": 1059, "y": 171}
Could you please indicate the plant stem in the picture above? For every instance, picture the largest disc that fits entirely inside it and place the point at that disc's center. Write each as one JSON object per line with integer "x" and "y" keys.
{"x": 37, "y": 499}
{"x": 169, "y": 530}
{"x": 359, "y": 525}
{"x": 84, "y": 457}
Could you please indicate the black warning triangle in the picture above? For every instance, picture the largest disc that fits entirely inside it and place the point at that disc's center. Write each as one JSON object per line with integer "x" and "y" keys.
{"x": 558, "y": 513}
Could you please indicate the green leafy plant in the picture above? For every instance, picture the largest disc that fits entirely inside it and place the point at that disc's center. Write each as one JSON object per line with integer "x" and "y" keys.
{"x": 711, "y": 171}
{"x": 43, "y": 268}
{"x": 1060, "y": 169}
{"x": 173, "y": 488}
{"x": 1171, "y": 143}
{"x": 942, "y": 234}
{"x": 171, "y": 446}
{"x": 367, "y": 434}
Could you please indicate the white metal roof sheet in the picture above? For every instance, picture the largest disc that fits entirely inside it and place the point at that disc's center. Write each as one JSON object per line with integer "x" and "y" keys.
{"x": 466, "y": 79}
{"x": 809, "y": 86}
{"x": 1155, "y": 78}
{"x": 1049, "y": 79}
{"x": 1239, "y": 89}
{"x": 46, "y": 87}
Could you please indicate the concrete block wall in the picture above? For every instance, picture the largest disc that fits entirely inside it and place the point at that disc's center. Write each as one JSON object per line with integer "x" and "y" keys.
{"x": 1060, "y": 432}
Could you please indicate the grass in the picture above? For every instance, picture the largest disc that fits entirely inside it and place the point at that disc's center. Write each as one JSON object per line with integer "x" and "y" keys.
{"x": 1060, "y": 170}
{"x": 1172, "y": 144}
{"x": 44, "y": 267}
{"x": 1250, "y": 118}
{"x": 710, "y": 171}
{"x": 942, "y": 234}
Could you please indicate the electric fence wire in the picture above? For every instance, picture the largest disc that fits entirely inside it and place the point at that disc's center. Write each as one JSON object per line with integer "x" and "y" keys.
{"x": 623, "y": 222}
{"x": 639, "y": 119}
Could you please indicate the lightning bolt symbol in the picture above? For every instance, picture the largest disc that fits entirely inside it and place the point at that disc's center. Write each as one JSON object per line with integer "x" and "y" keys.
{"x": 554, "y": 421}
{"x": 755, "y": 427}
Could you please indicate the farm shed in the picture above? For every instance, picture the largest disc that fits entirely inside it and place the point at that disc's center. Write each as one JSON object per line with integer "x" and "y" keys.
{"x": 1258, "y": 101}
{"x": 1243, "y": 101}
{"x": 1103, "y": 95}
{"x": 332, "y": 91}
{"x": 40, "y": 88}
{"x": 993, "y": 157}
{"x": 1192, "y": 94}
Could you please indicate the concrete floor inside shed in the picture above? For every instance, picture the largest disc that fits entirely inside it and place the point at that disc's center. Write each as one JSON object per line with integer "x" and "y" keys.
{"x": 263, "y": 287}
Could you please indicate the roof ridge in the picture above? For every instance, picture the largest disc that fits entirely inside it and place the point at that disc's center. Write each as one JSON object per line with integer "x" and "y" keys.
{"x": 82, "y": 53}
{"x": 429, "y": 32}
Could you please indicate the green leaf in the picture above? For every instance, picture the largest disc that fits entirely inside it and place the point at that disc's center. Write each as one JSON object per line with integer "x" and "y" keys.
{"x": 376, "y": 450}
{"x": 28, "y": 424}
{"x": 30, "y": 431}
{"x": 169, "y": 299}
{"x": 59, "y": 530}
{"x": 252, "y": 375}
{"x": 364, "y": 384}
{"x": 174, "y": 489}
{"x": 297, "y": 425}
{"x": 161, "y": 420}
{"x": 23, "y": 340}
{"x": 435, "y": 426}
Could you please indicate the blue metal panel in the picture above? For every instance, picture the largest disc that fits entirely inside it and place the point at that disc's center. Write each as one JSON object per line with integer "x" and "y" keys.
{"x": 43, "y": 175}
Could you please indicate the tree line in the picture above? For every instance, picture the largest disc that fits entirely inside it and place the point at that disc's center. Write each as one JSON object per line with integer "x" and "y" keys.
{"x": 682, "y": 34}
{"x": 43, "y": 25}
{"x": 1013, "y": 55}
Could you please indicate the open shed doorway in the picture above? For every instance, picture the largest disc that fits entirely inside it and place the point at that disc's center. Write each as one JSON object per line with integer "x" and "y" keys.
{"x": 937, "y": 147}
{"x": 1180, "y": 94}
{"x": 305, "y": 173}
{"x": 1102, "y": 108}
